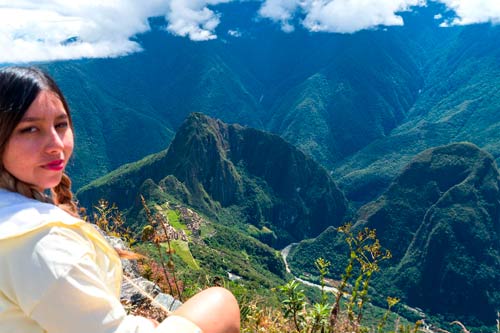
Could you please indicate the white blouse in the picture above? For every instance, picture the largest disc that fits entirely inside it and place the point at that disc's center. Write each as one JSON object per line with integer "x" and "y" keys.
{"x": 59, "y": 275}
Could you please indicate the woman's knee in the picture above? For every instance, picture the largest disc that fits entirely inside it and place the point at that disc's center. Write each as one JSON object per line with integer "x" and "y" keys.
{"x": 223, "y": 297}
{"x": 214, "y": 310}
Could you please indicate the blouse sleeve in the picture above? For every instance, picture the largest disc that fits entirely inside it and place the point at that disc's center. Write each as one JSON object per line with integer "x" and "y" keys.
{"x": 62, "y": 288}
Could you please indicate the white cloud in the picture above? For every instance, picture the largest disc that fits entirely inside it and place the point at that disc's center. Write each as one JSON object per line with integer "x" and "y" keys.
{"x": 35, "y": 30}
{"x": 281, "y": 11}
{"x": 474, "y": 11}
{"x": 193, "y": 18}
{"x": 347, "y": 16}
{"x": 234, "y": 33}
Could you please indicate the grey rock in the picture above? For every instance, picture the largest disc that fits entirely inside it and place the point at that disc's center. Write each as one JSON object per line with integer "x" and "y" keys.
{"x": 168, "y": 301}
{"x": 136, "y": 290}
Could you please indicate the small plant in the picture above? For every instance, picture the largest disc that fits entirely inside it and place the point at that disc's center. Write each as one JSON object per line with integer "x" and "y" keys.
{"x": 391, "y": 301}
{"x": 110, "y": 220}
{"x": 365, "y": 254}
{"x": 322, "y": 265}
{"x": 294, "y": 303}
{"x": 364, "y": 249}
{"x": 150, "y": 233}
{"x": 258, "y": 318}
{"x": 318, "y": 314}
{"x": 409, "y": 328}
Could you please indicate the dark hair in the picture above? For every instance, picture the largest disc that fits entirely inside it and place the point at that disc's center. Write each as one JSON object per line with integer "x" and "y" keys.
{"x": 19, "y": 87}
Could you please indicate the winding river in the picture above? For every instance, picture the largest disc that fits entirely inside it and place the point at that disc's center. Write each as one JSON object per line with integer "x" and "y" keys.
{"x": 284, "y": 255}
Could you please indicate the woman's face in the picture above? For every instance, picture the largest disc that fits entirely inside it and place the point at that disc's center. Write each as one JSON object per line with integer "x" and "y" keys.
{"x": 41, "y": 144}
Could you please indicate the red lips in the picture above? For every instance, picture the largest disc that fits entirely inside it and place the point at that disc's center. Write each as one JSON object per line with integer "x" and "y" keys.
{"x": 55, "y": 165}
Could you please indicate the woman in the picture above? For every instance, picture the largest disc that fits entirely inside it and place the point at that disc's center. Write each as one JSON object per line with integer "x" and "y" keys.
{"x": 57, "y": 273}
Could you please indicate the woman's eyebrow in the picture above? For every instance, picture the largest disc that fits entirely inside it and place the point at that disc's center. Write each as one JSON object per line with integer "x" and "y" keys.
{"x": 34, "y": 119}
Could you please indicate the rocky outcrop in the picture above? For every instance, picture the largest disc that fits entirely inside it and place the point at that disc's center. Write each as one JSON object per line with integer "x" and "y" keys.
{"x": 136, "y": 290}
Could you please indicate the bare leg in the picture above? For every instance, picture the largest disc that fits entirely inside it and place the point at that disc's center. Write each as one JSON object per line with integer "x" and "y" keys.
{"x": 214, "y": 310}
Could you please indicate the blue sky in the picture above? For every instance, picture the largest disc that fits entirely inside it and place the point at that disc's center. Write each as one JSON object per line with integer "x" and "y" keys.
{"x": 35, "y": 30}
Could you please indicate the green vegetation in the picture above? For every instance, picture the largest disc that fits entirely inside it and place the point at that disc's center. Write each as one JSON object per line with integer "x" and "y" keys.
{"x": 361, "y": 114}
{"x": 174, "y": 219}
{"x": 365, "y": 116}
{"x": 325, "y": 315}
{"x": 439, "y": 217}
{"x": 169, "y": 263}
{"x": 213, "y": 252}
{"x": 181, "y": 249}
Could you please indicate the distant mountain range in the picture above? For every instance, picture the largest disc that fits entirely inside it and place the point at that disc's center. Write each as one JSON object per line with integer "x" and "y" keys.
{"x": 361, "y": 104}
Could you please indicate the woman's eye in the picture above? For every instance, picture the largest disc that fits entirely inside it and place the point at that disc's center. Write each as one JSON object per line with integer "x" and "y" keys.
{"x": 63, "y": 124}
{"x": 31, "y": 129}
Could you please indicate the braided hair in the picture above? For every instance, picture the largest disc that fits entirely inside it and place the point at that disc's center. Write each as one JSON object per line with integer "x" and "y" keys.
{"x": 19, "y": 87}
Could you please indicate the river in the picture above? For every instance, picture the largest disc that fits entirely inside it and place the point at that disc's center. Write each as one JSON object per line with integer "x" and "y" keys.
{"x": 284, "y": 255}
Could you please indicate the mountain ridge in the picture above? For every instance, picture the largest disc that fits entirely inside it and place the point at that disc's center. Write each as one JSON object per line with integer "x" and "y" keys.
{"x": 216, "y": 166}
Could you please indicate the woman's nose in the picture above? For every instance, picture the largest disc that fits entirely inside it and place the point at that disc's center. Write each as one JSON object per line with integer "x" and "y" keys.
{"x": 54, "y": 142}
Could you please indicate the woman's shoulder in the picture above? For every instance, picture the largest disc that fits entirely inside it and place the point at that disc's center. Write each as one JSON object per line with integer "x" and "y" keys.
{"x": 20, "y": 215}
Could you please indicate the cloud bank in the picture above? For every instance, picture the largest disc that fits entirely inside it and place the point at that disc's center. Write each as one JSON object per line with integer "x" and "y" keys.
{"x": 348, "y": 16}
{"x": 45, "y": 30}
{"x": 343, "y": 16}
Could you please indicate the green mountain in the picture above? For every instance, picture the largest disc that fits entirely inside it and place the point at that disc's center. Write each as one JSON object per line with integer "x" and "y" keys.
{"x": 458, "y": 102}
{"x": 363, "y": 115}
{"x": 354, "y": 98}
{"x": 254, "y": 179}
{"x": 452, "y": 264}
{"x": 440, "y": 219}
{"x": 127, "y": 108}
